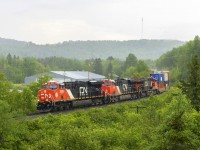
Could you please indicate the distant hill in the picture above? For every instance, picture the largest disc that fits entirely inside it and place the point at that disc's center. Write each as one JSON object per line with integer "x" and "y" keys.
{"x": 143, "y": 49}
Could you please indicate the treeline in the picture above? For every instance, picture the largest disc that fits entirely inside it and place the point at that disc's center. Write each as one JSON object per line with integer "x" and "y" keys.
{"x": 143, "y": 49}
{"x": 16, "y": 69}
{"x": 177, "y": 60}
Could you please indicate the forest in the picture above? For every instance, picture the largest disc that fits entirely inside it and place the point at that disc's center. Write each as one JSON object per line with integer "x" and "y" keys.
{"x": 177, "y": 59}
{"x": 16, "y": 69}
{"x": 143, "y": 49}
{"x": 168, "y": 121}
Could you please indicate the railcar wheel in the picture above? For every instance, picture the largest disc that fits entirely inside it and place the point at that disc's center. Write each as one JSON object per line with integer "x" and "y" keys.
{"x": 146, "y": 93}
{"x": 63, "y": 108}
{"x": 94, "y": 102}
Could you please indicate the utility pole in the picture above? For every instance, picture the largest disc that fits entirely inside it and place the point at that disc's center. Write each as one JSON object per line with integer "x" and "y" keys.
{"x": 137, "y": 108}
{"x": 64, "y": 76}
{"x": 142, "y": 29}
{"x": 88, "y": 72}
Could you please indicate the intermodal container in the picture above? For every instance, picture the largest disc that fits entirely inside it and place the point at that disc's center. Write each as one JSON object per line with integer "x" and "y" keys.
{"x": 158, "y": 77}
{"x": 166, "y": 75}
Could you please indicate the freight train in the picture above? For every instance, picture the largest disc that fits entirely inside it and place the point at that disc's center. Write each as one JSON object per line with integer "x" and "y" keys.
{"x": 66, "y": 95}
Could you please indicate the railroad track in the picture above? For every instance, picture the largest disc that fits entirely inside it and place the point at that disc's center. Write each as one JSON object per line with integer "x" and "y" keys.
{"x": 40, "y": 114}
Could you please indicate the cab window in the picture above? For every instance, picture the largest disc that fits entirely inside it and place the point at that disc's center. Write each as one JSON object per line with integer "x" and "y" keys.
{"x": 61, "y": 86}
{"x": 107, "y": 83}
{"x": 53, "y": 87}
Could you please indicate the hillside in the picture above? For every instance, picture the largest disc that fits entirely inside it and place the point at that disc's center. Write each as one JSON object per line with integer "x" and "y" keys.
{"x": 143, "y": 49}
{"x": 177, "y": 59}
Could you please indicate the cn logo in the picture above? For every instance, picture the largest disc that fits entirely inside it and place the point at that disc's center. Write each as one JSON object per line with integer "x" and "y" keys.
{"x": 83, "y": 91}
{"x": 47, "y": 96}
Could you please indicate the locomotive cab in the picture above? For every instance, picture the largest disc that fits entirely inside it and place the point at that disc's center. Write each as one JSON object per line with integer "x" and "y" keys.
{"x": 47, "y": 93}
{"x": 109, "y": 88}
{"x": 51, "y": 93}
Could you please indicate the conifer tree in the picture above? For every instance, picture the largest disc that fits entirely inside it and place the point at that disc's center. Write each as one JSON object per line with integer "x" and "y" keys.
{"x": 192, "y": 86}
{"x": 131, "y": 60}
{"x": 98, "y": 68}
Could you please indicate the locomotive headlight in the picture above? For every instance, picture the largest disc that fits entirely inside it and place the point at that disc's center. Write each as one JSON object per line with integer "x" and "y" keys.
{"x": 56, "y": 94}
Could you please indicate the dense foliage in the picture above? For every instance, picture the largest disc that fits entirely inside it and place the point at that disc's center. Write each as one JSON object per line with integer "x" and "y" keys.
{"x": 36, "y": 86}
{"x": 162, "y": 122}
{"x": 178, "y": 59}
{"x": 191, "y": 86}
{"x": 22, "y": 100}
{"x": 184, "y": 65}
{"x": 16, "y": 69}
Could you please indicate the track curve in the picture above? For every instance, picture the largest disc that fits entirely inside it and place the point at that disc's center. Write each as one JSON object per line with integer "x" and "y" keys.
{"x": 41, "y": 114}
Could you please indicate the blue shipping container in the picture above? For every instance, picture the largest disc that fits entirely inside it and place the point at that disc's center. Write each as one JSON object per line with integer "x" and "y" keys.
{"x": 158, "y": 77}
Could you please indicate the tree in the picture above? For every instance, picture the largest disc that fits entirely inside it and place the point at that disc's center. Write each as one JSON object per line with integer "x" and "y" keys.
{"x": 110, "y": 58}
{"x": 141, "y": 70}
{"x": 130, "y": 73}
{"x": 196, "y": 46}
{"x": 131, "y": 60}
{"x": 192, "y": 85}
{"x": 5, "y": 86}
{"x": 109, "y": 71}
{"x": 6, "y": 124}
{"x": 31, "y": 66}
{"x": 178, "y": 58}
{"x": 178, "y": 126}
{"x": 141, "y": 66}
{"x": 175, "y": 134}
{"x": 8, "y": 114}
{"x": 28, "y": 101}
{"x": 9, "y": 59}
{"x": 98, "y": 68}
{"x": 36, "y": 86}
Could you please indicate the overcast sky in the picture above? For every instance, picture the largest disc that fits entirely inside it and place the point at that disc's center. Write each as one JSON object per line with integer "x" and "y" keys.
{"x": 53, "y": 21}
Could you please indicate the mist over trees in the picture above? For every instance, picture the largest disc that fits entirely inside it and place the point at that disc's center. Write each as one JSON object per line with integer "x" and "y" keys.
{"x": 143, "y": 49}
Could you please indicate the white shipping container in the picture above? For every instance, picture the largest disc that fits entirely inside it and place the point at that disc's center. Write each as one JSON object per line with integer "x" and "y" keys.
{"x": 166, "y": 75}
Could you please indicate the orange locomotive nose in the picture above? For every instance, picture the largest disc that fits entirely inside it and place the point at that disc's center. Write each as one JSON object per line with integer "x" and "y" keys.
{"x": 108, "y": 87}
